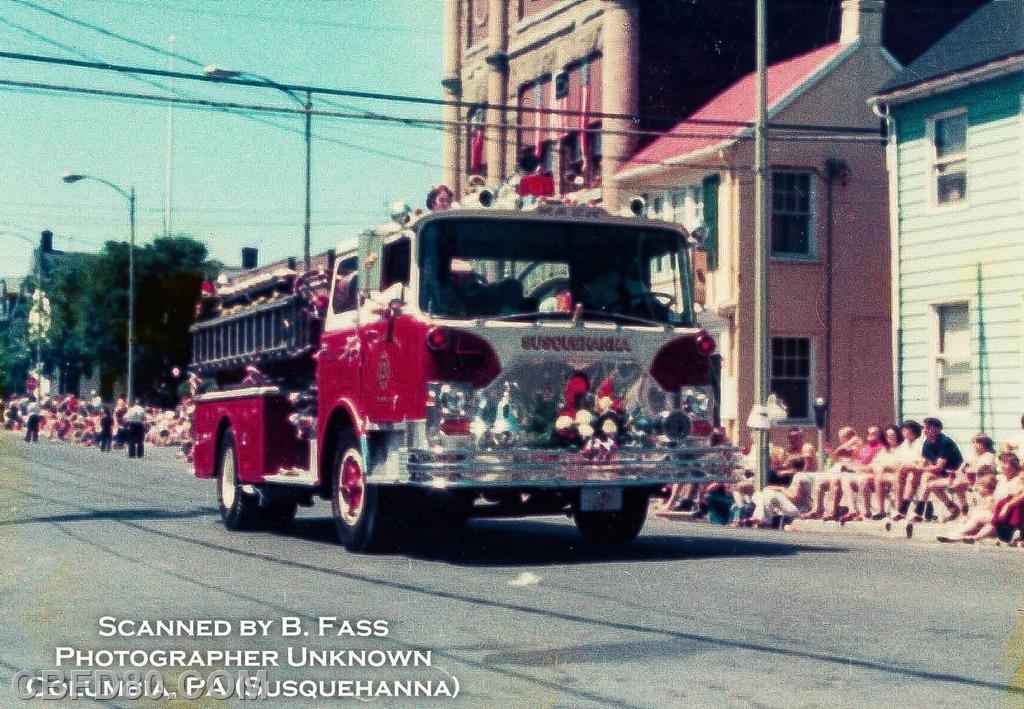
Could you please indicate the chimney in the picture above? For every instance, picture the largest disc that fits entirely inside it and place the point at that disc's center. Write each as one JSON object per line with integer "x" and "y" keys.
{"x": 46, "y": 242}
{"x": 862, "y": 21}
{"x": 250, "y": 257}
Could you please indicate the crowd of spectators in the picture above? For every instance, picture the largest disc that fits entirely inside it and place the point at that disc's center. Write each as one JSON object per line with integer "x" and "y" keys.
{"x": 90, "y": 421}
{"x": 909, "y": 474}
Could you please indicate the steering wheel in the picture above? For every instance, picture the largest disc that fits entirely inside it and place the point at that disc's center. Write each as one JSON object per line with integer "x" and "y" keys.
{"x": 670, "y": 299}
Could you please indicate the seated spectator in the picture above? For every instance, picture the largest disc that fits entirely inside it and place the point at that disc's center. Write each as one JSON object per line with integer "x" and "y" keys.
{"x": 788, "y": 492}
{"x": 983, "y": 462}
{"x": 910, "y": 469}
{"x": 1007, "y": 513}
{"x": 942, "y": 458}
{"x": 884, "y": 469}
{"x": 842, "y": 456}
{"x": 861, "y": 475}
{"x": 691, "y": 496}
{"x": 980, "y": 513}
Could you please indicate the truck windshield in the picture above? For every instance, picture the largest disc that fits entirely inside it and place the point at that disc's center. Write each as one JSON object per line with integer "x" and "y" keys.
{"x": 472, "y": 268}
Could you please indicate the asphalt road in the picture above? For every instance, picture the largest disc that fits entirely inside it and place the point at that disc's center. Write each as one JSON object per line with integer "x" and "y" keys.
{"x": 691, "y": 616}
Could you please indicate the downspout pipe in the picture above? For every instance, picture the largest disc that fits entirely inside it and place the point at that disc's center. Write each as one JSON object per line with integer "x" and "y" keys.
{"x": 834, "y": 168}
{"x": 892, "y": 168}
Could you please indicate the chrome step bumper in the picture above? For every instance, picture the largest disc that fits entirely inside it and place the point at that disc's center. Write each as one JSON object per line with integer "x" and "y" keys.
{"x": 570, "y": 469}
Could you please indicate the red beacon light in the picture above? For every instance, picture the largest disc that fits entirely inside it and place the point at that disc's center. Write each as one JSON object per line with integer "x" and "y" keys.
{"x": 536, "y": 186}
{"x": 705, "y": 343}
{"x": 439, "y": 339}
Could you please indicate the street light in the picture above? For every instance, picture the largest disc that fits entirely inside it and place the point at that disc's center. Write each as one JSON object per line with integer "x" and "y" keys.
{"x": 215, "y": 72}
{"x": 129, "y": 194}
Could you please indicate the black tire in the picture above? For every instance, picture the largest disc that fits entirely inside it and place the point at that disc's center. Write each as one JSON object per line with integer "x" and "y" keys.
{"x": 615, "y": 529}
{"x": 364, "y": 514}
{"x": 238, "y": 509}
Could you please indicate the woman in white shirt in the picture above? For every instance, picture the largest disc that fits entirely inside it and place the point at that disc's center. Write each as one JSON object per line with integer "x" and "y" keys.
{"x": 881, "y": 476}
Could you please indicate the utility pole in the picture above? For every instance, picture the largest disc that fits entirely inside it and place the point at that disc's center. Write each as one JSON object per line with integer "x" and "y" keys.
{"x": 129, "y": 386}
{"x": 309, "y": 151}
{"x": 169, "y": 155}
{"x": 762, "y": 381}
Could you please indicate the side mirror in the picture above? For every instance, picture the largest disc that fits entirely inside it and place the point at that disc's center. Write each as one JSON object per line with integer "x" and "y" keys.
{"x": 371, "y": 249}
{"x": 698, "y": 236}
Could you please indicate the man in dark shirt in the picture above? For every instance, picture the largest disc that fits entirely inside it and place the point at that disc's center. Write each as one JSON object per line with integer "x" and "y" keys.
{"x": 942, "y": 456}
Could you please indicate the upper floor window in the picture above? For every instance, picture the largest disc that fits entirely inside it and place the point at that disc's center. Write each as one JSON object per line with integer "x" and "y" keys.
{"x": 952, "y": 356}
{"x": 476, "y": 153}
{"x": 792, "y": 214}
{"x": 949, "y": 159}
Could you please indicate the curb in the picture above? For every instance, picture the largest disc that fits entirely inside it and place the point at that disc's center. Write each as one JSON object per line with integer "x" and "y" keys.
{"x": 925, "y": 532}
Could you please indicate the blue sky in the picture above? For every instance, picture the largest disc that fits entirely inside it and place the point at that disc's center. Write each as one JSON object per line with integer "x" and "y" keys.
{"x": 237, "y": 182}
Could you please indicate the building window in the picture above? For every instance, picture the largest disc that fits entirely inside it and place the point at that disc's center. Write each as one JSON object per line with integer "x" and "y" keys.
{"x": 791, "y": 375}
{"x": 476, "y": 154}
{"x": 949, "y": 162}
{"x": 792, "y": 214}
{"x": 952, "y": 356}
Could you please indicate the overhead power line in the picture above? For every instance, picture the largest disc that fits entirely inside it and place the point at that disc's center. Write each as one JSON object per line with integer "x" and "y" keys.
{"x": 402, "y": 98}
{"x": 358, "y": 116}
{"x": 371, "y": 150}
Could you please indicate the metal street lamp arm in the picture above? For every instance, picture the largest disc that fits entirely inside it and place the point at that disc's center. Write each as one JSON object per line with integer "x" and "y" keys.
{"x": 117, "y": 188}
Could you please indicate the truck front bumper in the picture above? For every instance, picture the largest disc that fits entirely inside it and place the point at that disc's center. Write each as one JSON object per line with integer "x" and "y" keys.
{"x": 570, "y": 469}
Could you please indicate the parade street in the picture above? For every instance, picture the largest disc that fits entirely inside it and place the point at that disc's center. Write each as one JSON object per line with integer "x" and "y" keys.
{"x": 692, "y": 615}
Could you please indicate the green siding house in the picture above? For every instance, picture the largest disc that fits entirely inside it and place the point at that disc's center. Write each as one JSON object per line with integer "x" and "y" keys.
{"x": 956, "y": 180}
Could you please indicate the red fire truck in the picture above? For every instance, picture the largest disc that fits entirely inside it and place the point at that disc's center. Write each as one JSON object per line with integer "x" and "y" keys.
{"x": 512, "y": 358}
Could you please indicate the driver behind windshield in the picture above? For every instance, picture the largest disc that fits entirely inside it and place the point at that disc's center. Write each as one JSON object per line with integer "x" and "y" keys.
{"x": 496, "y": 268}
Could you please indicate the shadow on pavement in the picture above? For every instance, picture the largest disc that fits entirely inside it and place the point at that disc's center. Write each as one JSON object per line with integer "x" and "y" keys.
{"x": 505, "y": 663}
{"x": 539, "y": 543}
{"x": 117, "y": 515}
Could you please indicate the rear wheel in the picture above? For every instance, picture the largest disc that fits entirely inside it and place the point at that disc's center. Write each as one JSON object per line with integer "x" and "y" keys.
{"x": 238, "y": 509}
{"x": 362, "y": 513}
{"x": 615, "y": 529}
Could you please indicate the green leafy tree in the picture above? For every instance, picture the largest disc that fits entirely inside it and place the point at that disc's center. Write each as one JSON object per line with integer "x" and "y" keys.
{"x": 89, "y": 302}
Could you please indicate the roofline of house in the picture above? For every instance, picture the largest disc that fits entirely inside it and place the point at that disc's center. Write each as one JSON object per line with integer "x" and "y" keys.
{"x": 953, "y": 81}
{"x": 783, "y": 104}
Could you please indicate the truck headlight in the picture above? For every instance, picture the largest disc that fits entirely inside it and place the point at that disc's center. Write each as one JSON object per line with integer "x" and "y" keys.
{"x": 696, "y": 400}
{"x": 453, "y": 400}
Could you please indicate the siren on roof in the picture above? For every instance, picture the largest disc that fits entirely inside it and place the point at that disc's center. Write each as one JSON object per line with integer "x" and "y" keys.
{"x": 638, "y": 206}
{"x": 400, "y": 212}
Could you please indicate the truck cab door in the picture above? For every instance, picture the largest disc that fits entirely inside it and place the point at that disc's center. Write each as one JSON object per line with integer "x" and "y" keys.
{"x": 383, "y": 336}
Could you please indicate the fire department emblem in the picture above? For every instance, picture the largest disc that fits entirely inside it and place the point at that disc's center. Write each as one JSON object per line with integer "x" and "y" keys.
{"x": 383, "y": 371}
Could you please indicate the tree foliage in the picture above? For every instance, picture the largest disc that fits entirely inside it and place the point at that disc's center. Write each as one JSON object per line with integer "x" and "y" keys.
{"x": 89, "y": 304}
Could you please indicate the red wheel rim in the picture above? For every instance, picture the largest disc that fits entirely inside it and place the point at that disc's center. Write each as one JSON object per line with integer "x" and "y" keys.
{"x": 351, "y": 488}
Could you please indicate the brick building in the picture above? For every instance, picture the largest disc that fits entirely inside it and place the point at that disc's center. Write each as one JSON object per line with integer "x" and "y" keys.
{"x": 507, "y": 58}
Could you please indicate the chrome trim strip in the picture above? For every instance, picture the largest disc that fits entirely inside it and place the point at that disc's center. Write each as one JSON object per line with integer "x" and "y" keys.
{"x": 242, "y": 393}
{"x": 559, "y": 469}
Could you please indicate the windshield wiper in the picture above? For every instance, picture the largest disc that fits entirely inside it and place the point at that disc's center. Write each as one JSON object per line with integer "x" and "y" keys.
{"x": 620, "y": 317}
{"x": 537, "y": 315}
{"x": 597, "y": 314}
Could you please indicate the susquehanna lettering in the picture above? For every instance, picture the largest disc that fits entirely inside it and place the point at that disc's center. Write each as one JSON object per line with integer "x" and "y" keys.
{"x": 576, "y": 343}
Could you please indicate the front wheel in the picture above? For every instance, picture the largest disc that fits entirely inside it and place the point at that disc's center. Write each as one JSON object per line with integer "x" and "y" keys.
{"x": 615, "y": 529}
{"x": 362, "y": 513}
